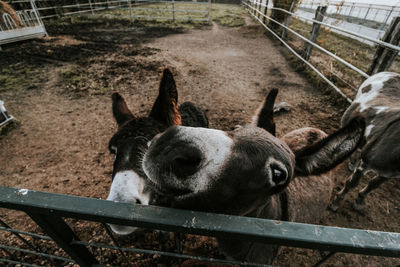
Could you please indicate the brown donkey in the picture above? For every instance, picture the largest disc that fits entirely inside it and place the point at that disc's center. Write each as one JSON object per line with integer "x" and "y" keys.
{"x": 250, "y": 172}
{"x": 129, "y": 143}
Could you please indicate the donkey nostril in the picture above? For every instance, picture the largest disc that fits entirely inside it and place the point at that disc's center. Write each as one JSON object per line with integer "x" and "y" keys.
{"x": 186, "y": 165}
{"x": 187, "y": 161}
{"x": 138, "y": 201}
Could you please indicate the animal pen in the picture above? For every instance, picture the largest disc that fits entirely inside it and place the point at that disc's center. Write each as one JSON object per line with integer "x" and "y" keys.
{"x": 55, "y": 241}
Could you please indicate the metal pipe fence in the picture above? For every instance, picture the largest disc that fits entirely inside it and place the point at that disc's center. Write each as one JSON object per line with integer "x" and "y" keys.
{"x": 370, "y": 15}
{"x": 135, "y": 9}
{"x": 259, "y": 11}
{"x": 26, "y": 25}
{"x": 51, "y": 213}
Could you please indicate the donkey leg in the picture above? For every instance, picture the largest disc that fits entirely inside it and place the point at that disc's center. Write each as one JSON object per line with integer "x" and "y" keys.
{"x": 352, "y": 182}
{"x": 354, "y": 159}
{"x": 373, "y": 184}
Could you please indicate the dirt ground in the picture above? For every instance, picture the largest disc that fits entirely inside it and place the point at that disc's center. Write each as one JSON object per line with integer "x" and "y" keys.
{"x": 65, "y": 113}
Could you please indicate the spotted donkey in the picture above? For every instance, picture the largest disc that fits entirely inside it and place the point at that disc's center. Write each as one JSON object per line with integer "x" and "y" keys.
{"x": 378, "y": 102}
{"x": 129, "y": 143}
{"x": 250, "y": 172}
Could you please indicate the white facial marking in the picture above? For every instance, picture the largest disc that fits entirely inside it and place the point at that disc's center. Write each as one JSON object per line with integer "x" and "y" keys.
{"x": 376, "y": 82}
{"x": 216, "y": 148}
{"x": 368, "y": 130}
{"x": 127, "y": 186}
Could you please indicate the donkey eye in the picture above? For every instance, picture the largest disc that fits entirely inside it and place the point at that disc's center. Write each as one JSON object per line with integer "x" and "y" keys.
{"x": 113, "y": 150}
{"x": 278, "y": 176}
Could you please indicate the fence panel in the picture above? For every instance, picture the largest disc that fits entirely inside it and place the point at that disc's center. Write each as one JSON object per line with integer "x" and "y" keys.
{"x": 32, "y": 25}
{"x": 310, "y": 42}
{"x": 138, "y": 9}
{"x": 47, "y": 209}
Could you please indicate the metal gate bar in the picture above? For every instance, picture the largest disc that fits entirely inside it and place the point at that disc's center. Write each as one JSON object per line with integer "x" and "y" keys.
{"x": 234, "y": 227}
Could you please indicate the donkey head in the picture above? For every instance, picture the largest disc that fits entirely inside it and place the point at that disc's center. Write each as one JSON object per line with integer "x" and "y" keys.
{"x": 233, "y": 172}
{"x": 130, "y": 142}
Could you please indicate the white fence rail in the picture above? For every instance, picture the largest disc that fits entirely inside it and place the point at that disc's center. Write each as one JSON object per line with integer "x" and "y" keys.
{"x": 257, "y": 10}
{"x": 364, "y": 13}
{"x": 32, "y": 25}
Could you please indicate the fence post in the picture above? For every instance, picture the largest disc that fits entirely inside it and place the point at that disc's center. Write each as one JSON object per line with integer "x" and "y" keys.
{"x": 384, "y": 57}
{"x": 351, "y": 10}
{"x": 79, "y": 6}
{"x": 259, "y": 9}
{"x": 62, "y": 234}
{"x": 91, "y": 7}
{"x": 366, "y": 14}
{"x": 387, "y": 18}
{"x": 209, "y": 10}
{"x": 130, "y": 8}
{"x": 287, "y": 21}
{"x": 173, "y": 10}
{"x": 265, "y": 11}
{"x": 59, "y": 9}
{"x": 319, "y": 16}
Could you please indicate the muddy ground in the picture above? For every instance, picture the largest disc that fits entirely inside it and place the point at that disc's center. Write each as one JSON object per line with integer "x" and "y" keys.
{"x": 61, "y": 97}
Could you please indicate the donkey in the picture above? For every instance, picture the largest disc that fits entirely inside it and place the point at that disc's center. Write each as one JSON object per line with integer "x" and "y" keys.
{"x": 129, "y": 143}
{"x": 250, "y": 172}
{"x": 378, "y": 102}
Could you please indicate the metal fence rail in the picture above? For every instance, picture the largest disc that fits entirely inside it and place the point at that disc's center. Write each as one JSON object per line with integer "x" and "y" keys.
{"x": 355, "y": 10}
{"x": 48, "y": 211}
{"x": 258, "y": 9}
{"x": 138, "y": 9}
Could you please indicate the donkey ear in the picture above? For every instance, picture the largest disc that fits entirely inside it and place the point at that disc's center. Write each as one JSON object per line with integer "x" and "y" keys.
{"x": 329, "y": 152}
{"x": 165, "y": 109}
{"x": 120, "y": 109}
{"x": 265, "y": 117}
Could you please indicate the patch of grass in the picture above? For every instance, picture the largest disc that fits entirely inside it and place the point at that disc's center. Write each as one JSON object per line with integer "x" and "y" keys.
{"x": 5, "y": 129}
{"x": 81, "y": 82}
{"x": 74, "y": 76}
{"x": 186, "y": 15}
{"x": 228, "y": 15}
{"x": 101, "y": 91}
{"x": 223, "y": 14}
{"x": 17, "y": 77}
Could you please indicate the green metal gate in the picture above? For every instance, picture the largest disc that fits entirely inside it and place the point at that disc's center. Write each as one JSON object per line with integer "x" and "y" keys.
{"x": 51, "y": 211}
